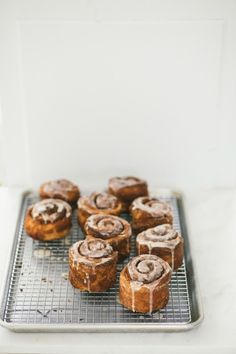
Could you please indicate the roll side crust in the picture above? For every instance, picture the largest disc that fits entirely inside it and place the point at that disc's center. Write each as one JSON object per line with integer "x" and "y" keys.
{"x": 92, "y": 274}
{"x": 129, "y": 193}
{"x": 86, "y": 278}
{"x": 142, "y": 221}
{"x": 149, "y": 212}
{"x": 47, "y": 232}
{"x": 165, "y": 253}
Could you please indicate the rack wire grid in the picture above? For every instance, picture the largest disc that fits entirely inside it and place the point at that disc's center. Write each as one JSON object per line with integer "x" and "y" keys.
{"x": 39, "y": 291}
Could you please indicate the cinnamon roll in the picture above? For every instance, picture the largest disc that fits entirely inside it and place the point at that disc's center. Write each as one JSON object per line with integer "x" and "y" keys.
{"x": 97, "y": 203}
{"x": 116, "y": 231}
{"x": 60, "y": 189}
{"x": 162, "y": 241}
{"x": 149, "y": 212}
{"x": 49, "y": 219}
{"x": 144, "y": 284}
{"x": 92, "y": 265}
{"x": 127, "y": 189}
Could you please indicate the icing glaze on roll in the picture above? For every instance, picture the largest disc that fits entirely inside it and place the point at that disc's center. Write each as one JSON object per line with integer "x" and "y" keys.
{"x": 153, "y": 206}
{"x": 160, "y": 233}
{"x": 158, "y": 238}
{"x": 50, "y": 210}
{"x": 86, "y": 251}
{"x": 99, "y": 201}
{"x": 105, "y": 226}
{"x": 145, "y": 269}
{"x": 61, "y": 188}
{"x": 104, "y": 200}
{"x": 118, "y": 182}
{"x": 90, "y": 257}
{"x": 94, "y": 249}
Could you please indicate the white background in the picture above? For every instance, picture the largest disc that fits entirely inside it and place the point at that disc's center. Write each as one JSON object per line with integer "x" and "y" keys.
{"x": 94, "y": 89}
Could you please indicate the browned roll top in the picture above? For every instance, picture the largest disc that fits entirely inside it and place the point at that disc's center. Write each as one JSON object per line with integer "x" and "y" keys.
{"x": 128, "y": 188}
{"x": 94, "y": 249}
{"x": 145, "y": 268}
{"x": 50, "y": 210}
{"x": 127, "y": 181}
{"x": 60, "y": 188}
{"x": 153, "y": 206}
{"x": 91, "y": 250}
{"x": 100, "y": 201}
{"x": 105, "y": 226}
{"x": 160, "y": 233}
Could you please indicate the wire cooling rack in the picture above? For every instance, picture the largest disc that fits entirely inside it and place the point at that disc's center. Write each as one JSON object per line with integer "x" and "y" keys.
{"x": 38, "y": 292}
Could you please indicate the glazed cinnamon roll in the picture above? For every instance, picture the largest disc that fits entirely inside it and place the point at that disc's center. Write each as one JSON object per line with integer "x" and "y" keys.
{"x": 149, "y": 212}
{"x": 60, "y": 189}
{"x": 92, "y": 265}
{"x": 116, "y": 231}
{"x": 97, "y": 203}
{"x": 144, "y": 284}
{"x": 49, "y": 219}
{"x": 162, "y": 241}
{"x": 127, "y": 189}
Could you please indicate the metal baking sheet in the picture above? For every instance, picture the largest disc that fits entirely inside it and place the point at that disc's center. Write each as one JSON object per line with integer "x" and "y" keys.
{"x": 39, "y": 297}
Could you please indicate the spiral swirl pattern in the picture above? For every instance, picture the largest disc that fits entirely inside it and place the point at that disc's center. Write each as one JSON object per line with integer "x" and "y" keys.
{"x": 127, "y": 189}
{"x": 128, "y": 181}
{"x": 104, "y": 200}
{"x": 99, "y": 201}
{"x": 145, "y": 268}
{"x": 61, "y": 188}
{"x": 160, "y": 233}
{"x": 94, "y": 249}
{"x": 50, "y": 210}
{"x": 153, "y": 206}
{"x": 105, "y": 226}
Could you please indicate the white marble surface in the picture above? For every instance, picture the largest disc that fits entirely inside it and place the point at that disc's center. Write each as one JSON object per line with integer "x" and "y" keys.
{"x": 212, "y": 226}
